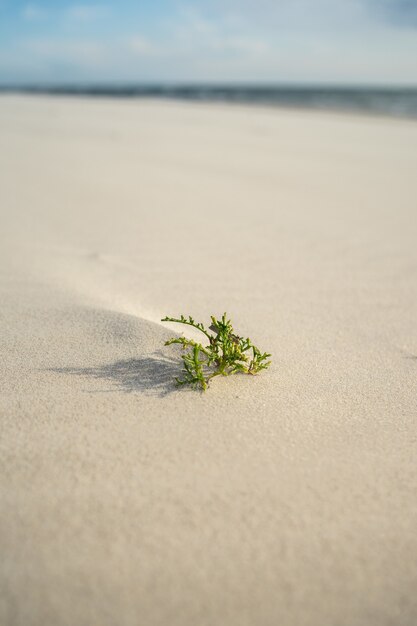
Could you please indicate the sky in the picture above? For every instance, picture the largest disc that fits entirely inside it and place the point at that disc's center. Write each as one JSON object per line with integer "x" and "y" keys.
{"x": 215, "y": 41}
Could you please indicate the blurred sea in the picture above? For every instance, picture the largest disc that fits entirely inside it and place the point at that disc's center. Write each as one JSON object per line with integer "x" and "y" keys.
{"x": 399, "y": 102}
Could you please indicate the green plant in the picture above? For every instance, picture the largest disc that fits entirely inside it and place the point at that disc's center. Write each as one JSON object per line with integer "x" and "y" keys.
{"x": 225, "y": 353}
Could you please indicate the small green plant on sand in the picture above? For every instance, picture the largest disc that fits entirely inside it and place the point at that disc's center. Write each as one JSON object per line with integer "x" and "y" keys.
{"x": 224, "y": 353}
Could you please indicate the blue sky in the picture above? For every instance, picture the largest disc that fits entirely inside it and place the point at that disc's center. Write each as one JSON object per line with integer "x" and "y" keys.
{"x": 325, "y": 41}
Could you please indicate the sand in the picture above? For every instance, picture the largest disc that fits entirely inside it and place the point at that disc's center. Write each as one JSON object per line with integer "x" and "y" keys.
{"x": 288, "y": 499}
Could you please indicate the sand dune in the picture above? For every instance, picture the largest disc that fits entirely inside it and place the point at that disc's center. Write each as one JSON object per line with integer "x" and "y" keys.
{"x": 285, "y": 499}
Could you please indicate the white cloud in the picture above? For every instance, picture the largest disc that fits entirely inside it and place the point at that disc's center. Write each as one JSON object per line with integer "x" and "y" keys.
{"x": 142, "y": 47}
{"x": 82, "y": 53}
{"x": 33, "y": 13}
{"x": 244, "y": 45}
{"x": 87, "y": 12}
{"x": 193, "y": 33}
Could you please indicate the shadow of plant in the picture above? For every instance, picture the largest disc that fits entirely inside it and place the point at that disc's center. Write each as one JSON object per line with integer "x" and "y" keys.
{"x": 153, "y": 374}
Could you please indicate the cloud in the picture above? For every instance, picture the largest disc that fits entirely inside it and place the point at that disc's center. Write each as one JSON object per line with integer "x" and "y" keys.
{"x": 83, "y": 54}
{"x": 142, "y": 47}
{"x": 33, "y": 13}
{"x": 244, "y": 45}
{"x": 320, "y": 16}
{"x": 193, "y": 32}
{"x": 87, "y": 12}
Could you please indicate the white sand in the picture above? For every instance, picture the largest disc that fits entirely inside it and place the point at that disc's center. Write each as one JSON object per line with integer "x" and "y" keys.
{"x": 284, "y": 500}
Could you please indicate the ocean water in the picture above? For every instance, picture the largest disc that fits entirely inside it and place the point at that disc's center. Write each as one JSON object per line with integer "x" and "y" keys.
{"x": 398, "y": 102}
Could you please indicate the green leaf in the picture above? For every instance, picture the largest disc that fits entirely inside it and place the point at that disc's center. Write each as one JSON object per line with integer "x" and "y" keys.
{"x": 223, "y": 356}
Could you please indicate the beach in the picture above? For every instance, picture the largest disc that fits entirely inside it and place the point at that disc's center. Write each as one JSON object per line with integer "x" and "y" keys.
{"x": 288, "y": 498}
